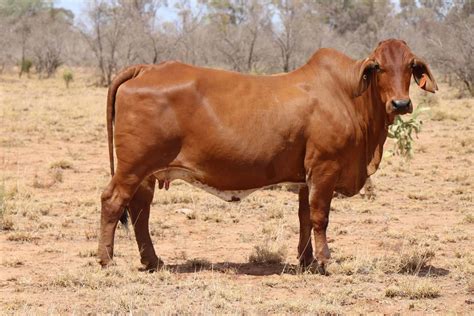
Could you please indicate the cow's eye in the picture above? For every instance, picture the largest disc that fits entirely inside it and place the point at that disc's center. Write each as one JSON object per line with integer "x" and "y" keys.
{"x": 377, "y": 67}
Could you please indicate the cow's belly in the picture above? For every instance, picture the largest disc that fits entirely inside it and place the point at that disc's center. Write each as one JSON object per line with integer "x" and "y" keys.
{"x": 192, "y": 178}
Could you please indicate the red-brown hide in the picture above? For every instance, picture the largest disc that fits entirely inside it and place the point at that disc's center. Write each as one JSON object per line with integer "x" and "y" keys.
{"x": 322, "y": 126}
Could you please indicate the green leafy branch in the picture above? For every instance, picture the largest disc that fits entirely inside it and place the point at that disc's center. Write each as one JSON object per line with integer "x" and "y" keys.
{"x": 403, "y": 130}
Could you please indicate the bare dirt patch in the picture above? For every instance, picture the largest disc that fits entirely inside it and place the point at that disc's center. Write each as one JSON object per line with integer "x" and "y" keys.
{"x": 409, "y": 249}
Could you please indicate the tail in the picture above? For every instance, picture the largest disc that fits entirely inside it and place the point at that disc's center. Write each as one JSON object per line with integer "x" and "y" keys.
{"x": 122, "y": 77}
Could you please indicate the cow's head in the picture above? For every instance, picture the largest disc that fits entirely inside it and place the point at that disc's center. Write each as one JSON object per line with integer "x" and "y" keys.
{"x": 388, "y": 70}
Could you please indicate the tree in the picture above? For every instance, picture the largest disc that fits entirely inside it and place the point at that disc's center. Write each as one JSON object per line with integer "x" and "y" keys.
{"x": 187, "y": 32}
{"x": 144, "y": 41}
{"x": 104, "y": 36}
{"x": 288, "y": 33}
{"x": 51, "y": 29}
{"x": 18, "y": 17}
{"x": 361, "y": 23}
{"x": 452, "y": 45}
{"x": 238, "y": 26}
{"x": 444, "y": 32}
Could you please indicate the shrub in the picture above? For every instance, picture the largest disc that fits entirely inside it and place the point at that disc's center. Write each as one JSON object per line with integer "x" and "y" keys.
{"x": 25, "y": 66}
{"x": 415, "y": 259}
{"x": 68, "y": 77}
{"x": 266, "y": 254}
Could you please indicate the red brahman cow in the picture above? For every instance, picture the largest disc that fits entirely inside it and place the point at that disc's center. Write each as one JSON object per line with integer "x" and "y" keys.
{"x": 322, "y": 126}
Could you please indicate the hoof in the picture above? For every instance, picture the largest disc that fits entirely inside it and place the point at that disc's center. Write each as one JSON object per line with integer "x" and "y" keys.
{"x": 316, "y": 268}
{"x": 323, "y": 258}
{"x": 152, "y": 267}
{"x": 306, "y": 262}
{"x": 310, "y": 265}
{"x": 105, "y": 263}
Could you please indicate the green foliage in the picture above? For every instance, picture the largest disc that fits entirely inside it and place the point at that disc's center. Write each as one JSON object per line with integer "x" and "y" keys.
{"x": 18, "y": 8}
{"x": 227, "y": 11}
{"x": 68, "y": 77}
{"x": 25, "y": 65}
{"x": 402, "y": 131}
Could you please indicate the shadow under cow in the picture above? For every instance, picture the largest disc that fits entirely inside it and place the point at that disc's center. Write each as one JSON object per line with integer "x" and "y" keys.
{"x": 260, "y": 269}
{"x": 256, "y": 269}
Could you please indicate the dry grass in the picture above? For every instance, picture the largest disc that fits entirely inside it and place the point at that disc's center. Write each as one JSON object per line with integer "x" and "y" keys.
{"x": 414, "y": 288}
{"x": 412, "y": 260}
{"x": 468, "y": 219}
{"x": 6, "y": 221}
{"x": 61, "y": 164}
{"x": 267, "y": 254}
{"x": 22, "y": 237}
{"x": 470, "y": 286}
{"x": 439, "y": 115}
{"x": 411, "y": 241}
{"x": 409, "y": 260}
{"x": 15, "y": 263}
{"x": 199, "y": 264}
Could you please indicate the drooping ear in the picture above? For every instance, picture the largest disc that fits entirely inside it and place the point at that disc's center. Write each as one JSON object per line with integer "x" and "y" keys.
{"x": 423, "y": 76}
{"x": 363, "y": 75}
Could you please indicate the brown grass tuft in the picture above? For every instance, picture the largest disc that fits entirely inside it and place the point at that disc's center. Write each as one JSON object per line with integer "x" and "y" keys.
{"x": 440, "y": 115}
{"x": 22, "y": 237}
{"x": 87, "y": 253}
{"x": 13, "y": 263}
{"x": 350, "y": 265}
{"x": 470, "y": 286}
{"x": 215, "y": 217}
{"x": 266, "y": 254}
{"x": 6, "y": 223}
{"x": 414, "y": 288}
{"x": 468, "y": 219}
{"x": 91, "y": 233}
{"x": 61, "y": 164}
{"x": 412, "y": 260}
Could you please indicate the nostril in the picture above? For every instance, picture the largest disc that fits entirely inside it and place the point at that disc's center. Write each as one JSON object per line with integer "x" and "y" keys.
{"x": 400, "y": 104}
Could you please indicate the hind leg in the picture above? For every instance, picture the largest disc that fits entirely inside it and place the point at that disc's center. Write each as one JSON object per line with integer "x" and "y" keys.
{"x": 115, "y": 198}
{"x": 139, "y": 208}
{"x": 305, "y": 249}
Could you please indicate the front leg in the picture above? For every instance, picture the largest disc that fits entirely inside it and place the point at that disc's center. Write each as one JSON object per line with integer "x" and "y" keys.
{"x": 321, "y": 188}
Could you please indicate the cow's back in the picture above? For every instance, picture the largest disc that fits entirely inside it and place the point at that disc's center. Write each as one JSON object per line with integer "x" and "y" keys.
{"x": 229, "y": 129}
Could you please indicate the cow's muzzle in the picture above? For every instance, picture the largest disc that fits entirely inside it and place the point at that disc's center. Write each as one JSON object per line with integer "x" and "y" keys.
{"x": 401, "y": 104}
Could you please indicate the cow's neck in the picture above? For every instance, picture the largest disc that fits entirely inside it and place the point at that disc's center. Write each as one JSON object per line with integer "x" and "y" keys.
{"x": 374, "y": 125}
